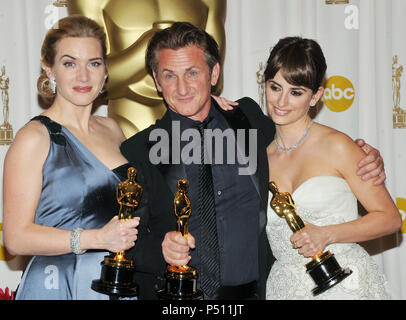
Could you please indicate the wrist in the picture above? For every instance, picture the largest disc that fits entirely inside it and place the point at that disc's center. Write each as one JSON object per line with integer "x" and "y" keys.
{"x": 330, "y": 234}
{"x": 90, "y": 239}
{"x": 75, "y": 243}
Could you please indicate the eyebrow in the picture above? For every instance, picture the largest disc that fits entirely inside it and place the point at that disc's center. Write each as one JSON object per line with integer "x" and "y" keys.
{"x": 167, "y": 70}
{"x": 73, "y": 58}
{"x": 187, "y": 69}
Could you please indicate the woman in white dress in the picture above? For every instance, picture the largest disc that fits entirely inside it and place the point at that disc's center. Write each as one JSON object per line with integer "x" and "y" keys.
{"x": 315, "y": 164}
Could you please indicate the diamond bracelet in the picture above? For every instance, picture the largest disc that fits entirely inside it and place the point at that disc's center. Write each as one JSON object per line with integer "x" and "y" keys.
{"x": 75, "y": 241}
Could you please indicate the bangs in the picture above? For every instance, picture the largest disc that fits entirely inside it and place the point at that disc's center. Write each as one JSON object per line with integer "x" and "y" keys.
{"x": 298, "y": 71}
{"x": 298, "y": 62}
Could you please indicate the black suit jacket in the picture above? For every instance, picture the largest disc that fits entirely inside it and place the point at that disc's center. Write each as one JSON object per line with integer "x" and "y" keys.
{"x": 160, "y": 186}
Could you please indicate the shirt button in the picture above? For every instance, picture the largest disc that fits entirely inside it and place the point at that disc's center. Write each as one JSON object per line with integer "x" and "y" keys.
{"x": 219, "y": 192}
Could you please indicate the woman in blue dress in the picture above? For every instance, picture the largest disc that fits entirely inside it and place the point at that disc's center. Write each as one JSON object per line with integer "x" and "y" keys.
{"x": 62, "y": 171}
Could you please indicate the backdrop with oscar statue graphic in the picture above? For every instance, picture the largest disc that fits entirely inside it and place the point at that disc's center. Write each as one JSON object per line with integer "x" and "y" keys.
{"x": 365, "y": 96}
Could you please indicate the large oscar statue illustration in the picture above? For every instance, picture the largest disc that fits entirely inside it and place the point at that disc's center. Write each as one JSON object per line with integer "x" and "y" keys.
{"x": 323, "y": 268}
{"x": 129, "y": 24}
{"x": 181, "y": 282}
{"x": 118, "y": 271}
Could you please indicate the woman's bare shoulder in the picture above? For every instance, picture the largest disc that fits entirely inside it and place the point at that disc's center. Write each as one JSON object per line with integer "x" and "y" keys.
{"x": 31, "y": 142}
{"x": 33, "y": 134}
{"x": 333, "y": 139}
{"x": 339, "y": 147}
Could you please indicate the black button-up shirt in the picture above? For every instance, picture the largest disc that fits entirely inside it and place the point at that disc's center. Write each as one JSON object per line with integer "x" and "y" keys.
{"x": 237, "y": 208}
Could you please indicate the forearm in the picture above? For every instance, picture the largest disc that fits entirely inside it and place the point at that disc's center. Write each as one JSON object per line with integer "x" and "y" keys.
{"x": 371, "y": 226}
{"x": 383, "y": 216}
{"x": 47, "y": 241}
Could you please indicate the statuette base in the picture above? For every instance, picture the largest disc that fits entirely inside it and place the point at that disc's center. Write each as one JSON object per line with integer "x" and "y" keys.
{"x": 180, "y": 284}
{"x": 116, "y": 278}
{"x": 326, "y": 272}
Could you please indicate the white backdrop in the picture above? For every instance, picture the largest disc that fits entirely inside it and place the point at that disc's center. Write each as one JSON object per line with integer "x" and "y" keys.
{"x": 360, "y": 40}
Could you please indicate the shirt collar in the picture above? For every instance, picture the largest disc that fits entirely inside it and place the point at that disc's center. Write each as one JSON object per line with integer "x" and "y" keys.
{"x": 186, "y": 122}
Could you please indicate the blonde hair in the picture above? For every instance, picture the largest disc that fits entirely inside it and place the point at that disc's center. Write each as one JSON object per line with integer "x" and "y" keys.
{"x": 73, "y": 26}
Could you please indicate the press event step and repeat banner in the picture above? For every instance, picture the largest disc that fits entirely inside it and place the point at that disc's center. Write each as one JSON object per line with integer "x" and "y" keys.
{"x": 365, "y": 95}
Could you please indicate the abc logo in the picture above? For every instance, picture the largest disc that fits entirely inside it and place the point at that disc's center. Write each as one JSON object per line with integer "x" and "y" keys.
{"x": 339, "y": 93}
{"x": 4, "y": 255}
{"x": 401, "y": 204}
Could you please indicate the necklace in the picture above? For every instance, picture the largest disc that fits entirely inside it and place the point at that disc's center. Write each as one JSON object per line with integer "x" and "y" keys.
{"x": 297, "y": 143}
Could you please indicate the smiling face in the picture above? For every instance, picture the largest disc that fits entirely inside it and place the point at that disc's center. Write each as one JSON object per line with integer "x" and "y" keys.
{"x": 79, "y": 70}
{"x": 287, "y": 103}
{"x": 184, "y": 79}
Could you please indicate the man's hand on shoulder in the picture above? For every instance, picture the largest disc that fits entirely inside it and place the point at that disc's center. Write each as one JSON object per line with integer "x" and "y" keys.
{"x": 371, "y": 166}
{"x": 224, "y": 103}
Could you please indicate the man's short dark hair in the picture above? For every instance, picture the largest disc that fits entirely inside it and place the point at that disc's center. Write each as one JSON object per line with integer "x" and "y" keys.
{"x": 180, "y": 35}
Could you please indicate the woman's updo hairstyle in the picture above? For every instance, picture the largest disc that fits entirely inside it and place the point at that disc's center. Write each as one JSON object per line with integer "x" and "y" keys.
{"x": 301, "y": 62}
{"x": 73, "y": 26}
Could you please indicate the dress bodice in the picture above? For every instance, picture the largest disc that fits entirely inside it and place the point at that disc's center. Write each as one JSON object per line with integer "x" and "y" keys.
{"x": 78, "y": 190}
{"x": 321, "y": 200}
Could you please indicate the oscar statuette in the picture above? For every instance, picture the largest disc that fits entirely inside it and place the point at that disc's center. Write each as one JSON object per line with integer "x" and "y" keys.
{"x": 181, "y": 281}
{"x": 117, "y": 271}
{"x": 323, "y": 268}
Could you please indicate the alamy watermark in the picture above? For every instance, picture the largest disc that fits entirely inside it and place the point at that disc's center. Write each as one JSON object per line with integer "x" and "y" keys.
{"x": 221, "y": 147}
{"x": 52, "y": 15}
{"x": 351, "y": 21}
{"x": 51, "y": 281}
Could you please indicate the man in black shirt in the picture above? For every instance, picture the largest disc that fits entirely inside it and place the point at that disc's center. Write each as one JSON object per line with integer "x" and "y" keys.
{"x": 184, "y": 62}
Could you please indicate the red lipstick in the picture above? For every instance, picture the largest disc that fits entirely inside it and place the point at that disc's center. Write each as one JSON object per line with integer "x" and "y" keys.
{"x": 82, "y": 89}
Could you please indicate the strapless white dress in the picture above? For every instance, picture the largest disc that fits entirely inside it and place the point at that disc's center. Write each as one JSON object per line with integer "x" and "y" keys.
{"x": 321, "y": 200}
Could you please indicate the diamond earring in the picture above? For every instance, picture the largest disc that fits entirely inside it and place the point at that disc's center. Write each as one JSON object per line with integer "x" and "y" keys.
{"x": 102, "y": 85}
{"x": 52, "y": 84}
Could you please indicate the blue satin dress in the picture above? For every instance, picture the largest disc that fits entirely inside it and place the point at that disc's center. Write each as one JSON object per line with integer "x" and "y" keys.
{"x": 78, "y": 191}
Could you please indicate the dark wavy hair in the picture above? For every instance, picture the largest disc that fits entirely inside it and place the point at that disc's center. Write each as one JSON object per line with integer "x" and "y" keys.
{"x": 301, "y": 62}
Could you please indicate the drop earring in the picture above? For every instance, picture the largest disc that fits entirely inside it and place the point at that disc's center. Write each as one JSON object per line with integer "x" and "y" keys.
{"x": 52, "y": 84}
{"x": 102, "y": 85}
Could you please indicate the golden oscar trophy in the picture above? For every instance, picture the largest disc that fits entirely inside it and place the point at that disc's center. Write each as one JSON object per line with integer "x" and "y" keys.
{"x": 181, "y": 282}
{"x": 6, "y": 130}
{"x": 323, "y": 268}
{"x": 118, "y": 271}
